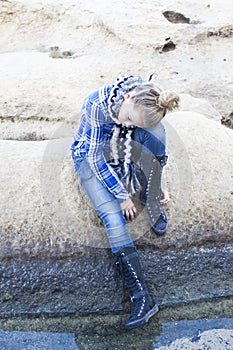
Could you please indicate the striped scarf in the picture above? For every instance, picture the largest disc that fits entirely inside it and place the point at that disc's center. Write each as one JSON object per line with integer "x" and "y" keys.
{"x": 121, "y": 142}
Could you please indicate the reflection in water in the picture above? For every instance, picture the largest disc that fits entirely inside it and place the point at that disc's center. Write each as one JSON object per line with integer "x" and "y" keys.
{"x": 36, "y": 341}
{"x": 104, "y": 332}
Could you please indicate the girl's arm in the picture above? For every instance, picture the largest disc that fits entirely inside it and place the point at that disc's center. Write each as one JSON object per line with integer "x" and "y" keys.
{"x": 94, "y": 148}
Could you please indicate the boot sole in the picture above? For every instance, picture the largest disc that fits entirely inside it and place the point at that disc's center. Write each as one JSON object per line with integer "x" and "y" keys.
{"x": 160, "y": 232}
{"x": 145, "y": 319}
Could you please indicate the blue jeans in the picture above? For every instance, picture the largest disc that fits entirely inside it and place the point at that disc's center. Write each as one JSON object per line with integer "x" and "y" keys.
{"x": 108, "y": 208}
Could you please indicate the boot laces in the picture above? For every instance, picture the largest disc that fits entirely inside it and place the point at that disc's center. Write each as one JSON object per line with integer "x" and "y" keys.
{"x": 129, "y": 281}
{"x": 139, "y": 305}
{"x": 127, "y": 272}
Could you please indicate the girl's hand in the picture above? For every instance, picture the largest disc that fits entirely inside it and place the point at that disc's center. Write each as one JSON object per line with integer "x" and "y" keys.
{"x": 166, "y": 197}
{"x": 129, "y": 210}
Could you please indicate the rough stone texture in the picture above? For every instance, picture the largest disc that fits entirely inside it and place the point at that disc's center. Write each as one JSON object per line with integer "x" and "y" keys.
{"x": 54, "y": 53}
{"x": 41, "y": 87}
{"x": 219, "y": 339}
{"x": 44, "y": 208}
{"x": 87, "y": 282}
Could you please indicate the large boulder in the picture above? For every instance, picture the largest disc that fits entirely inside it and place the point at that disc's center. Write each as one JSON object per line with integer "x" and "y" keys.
{"x": 43, "y": 204}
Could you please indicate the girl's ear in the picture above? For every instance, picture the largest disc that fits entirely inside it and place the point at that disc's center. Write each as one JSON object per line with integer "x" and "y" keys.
{"x": 127, "y": 96}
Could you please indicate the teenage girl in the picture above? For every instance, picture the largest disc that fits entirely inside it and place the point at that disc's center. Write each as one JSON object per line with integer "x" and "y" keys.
{"x": 120, "y": 133}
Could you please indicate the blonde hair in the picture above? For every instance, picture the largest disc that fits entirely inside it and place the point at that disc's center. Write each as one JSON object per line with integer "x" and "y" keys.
{"x": 153, "y": 106}
{"x": 153, "y": 103}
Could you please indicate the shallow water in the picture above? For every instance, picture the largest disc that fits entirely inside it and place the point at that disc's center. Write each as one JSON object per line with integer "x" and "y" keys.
{"x": 18, "y": 340}
{"x": 37, "y": 341}
{"x": 102, "y": 332}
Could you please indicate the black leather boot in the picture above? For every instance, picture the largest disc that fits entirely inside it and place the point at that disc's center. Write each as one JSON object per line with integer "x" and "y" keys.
{"x": 150, "y": 195}
{"x": 143, "y": 305}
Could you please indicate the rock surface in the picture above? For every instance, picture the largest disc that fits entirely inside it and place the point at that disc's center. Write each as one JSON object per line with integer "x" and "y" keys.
{"x": 52, "y": 247}
{"x": 215, "y": 339}
{"x": 42, "y": 201}
{"x": 45, "y": 208}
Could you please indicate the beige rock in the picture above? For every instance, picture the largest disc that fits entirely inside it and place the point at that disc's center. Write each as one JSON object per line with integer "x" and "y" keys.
{"x": 199, "y": 176}
{"x": 42, "y": 201}
{"x": 216, "y": 339}
{"x": 198, "y": 105}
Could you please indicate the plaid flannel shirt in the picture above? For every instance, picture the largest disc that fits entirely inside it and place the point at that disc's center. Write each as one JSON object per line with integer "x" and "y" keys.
{"x": 96, "y": 128}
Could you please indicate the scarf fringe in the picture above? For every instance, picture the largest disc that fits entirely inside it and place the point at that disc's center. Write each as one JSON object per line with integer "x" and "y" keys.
{"x": 125, "y": 168}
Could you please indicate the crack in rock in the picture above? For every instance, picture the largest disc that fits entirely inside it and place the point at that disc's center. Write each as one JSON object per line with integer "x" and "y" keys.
{"x": 224, "y": 32}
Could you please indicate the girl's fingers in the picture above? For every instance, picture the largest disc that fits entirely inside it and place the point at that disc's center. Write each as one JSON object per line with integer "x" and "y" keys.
{"x": 166, "y": 197}
{"x": 130, "y": 214}
{"x": 129, "y": 210}
{"x": 164, "y": 201}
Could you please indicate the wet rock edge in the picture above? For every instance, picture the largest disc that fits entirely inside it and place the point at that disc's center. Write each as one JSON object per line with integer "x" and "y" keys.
{"x": 87, "y": 282}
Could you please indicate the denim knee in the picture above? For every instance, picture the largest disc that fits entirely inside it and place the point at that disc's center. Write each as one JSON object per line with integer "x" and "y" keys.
{"x": 111, "y": 215}
{"x": 152, "y": 140}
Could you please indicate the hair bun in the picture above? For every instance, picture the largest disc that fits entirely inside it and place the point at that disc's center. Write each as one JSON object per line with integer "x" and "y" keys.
{"x": 168, "y": 100}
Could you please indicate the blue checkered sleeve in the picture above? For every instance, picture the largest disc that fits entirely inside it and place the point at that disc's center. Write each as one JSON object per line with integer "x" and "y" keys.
{"x": 94, "y": 145}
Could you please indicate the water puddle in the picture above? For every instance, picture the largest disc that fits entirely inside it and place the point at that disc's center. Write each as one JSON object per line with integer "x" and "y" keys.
{"x": 186, "y": 322}
{"x": 171, "y": 331}
{"x": 37, "y": 341}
